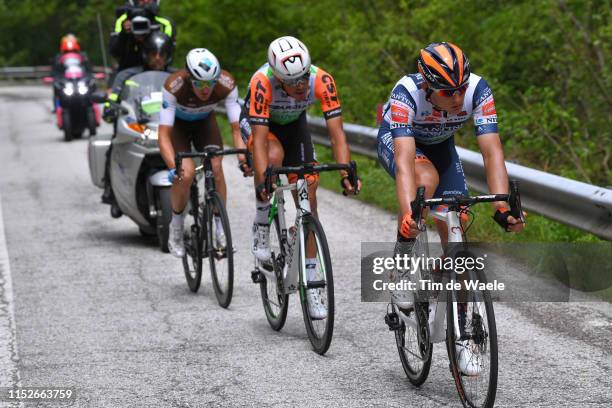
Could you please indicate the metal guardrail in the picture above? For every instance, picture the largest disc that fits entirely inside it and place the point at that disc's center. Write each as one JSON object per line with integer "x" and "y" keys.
{"x": 22, "y": 73}
{"x": 580, "y": 205}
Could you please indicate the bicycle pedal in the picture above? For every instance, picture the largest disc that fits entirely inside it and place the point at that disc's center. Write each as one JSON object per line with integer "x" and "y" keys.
{"x": 257, "y": 277}
{"x": 392, "y": 320}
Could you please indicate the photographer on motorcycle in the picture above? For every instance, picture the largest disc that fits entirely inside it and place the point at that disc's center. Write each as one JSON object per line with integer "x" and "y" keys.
{"x": 137, "y": 20}
{"x": 157, "y": 53}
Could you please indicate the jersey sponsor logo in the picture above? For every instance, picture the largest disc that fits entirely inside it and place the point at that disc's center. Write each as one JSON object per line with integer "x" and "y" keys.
{"x": 226, "y": 81}
{"x": 401, "y": 97}
{"x": 489, "y": 108}
{"x": 329, "y": 95}
{"x": 259, "y": 98}
{"x": 483, "y": 95}
{"x": 176, "y": 84}
{"x": 399, "y": 114}
{"x": 333, "y": 112}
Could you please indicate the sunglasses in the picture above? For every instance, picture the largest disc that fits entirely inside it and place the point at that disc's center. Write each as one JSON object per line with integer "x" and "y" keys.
{"x": 199, "y": 84}
{"x": 447, "y": 93}
{"x": 297, "y": 81}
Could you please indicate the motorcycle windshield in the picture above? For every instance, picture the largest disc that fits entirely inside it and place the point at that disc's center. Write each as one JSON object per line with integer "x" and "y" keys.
{"x": 144, "y": 92}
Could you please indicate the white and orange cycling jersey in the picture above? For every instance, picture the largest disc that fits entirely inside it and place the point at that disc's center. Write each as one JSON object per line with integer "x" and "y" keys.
{"x": 266, "y": 100}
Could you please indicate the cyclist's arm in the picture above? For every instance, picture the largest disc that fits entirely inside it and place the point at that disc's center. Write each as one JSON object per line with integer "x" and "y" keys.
{"x": 485, "y": 127}
{"x": 405, "y": 176}
{"x": 495, "y": 167}
{"x": 166, "y": 121}
{"x": 260, "y": 96}
{"x": 402, "y": 111}
{"x": 232, "y": 107}
{"x": 339, "y": 145}
{"x": 327, "y": 94}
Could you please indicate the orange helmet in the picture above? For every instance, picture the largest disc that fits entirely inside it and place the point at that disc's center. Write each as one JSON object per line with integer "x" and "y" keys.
{"x": 444, "y": 66}
{"x": 69, "y": 43}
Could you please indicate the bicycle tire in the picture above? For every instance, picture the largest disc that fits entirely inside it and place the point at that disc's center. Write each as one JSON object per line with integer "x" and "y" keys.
{"x": 194, "y": 245}
{"x": 216, "y": 254}
{"x": 276, "y": 318}
{"x": 489, "y": 333}
{"x": 417, "y": 373}
{"x": 320, "y": 342}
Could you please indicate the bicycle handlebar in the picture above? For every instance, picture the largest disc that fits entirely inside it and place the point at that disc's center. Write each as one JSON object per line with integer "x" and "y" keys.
{"x": 207, "y": 153}
{"x": 351, "y": 168}
{"x": 514, "y": 199}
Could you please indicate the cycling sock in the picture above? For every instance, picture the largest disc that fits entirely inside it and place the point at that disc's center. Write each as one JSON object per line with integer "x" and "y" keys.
{"x": 262, "y": 211}
{"x": 177, "y": 219}
{"x": 311, "y": 269}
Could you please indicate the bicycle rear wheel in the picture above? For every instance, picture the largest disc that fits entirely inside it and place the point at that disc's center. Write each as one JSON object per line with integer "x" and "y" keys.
{"x": 274, "y": 299}
{"x": 194, "y": 237}
{"x": 320, "y": 329}
{"x": 478, "y": 340}
{"x": 220, "y": 250}
{"x": 413, "y": 338}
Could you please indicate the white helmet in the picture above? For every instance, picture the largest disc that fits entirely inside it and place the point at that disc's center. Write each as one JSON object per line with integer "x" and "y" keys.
{"x": 203, "y": 65}
{"x": 289, "y": 58}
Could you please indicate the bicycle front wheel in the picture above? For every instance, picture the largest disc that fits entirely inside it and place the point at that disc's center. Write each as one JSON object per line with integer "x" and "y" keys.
{"x": 274, "y": 299}
{"x": 317, "y": 293}
{"x": 412, "y": 337}
{"x": 194, "y": 237}
{"x": 220, "y": 250}
{"x": 473, "y": 350}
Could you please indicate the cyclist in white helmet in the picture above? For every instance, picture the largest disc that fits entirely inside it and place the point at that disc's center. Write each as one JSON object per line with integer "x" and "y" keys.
{"x": 190, "y": 96}
{"x": 279, "y": 93}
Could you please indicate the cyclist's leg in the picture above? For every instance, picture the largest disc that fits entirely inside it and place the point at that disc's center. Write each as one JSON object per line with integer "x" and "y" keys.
{"x": 452, "y": 179}
{"x": 261, "y": 227}
{"x": 181, "y": 142}
{"x": 425, "y": 172}
{"x": 297, "y": 144}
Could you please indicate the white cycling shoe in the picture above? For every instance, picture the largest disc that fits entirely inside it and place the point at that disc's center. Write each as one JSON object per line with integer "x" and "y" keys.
{"x": 469, "y": 362}
{"x": 404, "y": 299}
{"x": 316, "y": 308}
{"x": 175, "y": 241}
{"x": 220, "y": 239}
{"x": 261, "y": 242}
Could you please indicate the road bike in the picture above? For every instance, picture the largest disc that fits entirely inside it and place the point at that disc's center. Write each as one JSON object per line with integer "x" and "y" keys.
{"x": 469, "y": 314}
{"x": 286, "y": 272}
{"x": 208, "y": 235}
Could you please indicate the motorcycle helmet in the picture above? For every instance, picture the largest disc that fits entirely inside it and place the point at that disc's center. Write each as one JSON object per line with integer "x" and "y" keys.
{"x": 158, "y": 43}
{"x": 69, "y": 43}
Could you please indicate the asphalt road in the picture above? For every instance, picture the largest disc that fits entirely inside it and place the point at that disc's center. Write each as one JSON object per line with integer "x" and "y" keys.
{"x": 100, "y": 309}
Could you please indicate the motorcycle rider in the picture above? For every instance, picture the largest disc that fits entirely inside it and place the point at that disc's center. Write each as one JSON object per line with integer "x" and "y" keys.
{"x": 157, "y": 54}
{"x": 70, "y": 53}
{"x": 135, "y": 21}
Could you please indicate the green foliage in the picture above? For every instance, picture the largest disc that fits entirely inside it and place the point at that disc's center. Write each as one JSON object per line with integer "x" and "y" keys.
{"x": 547, "y": 61}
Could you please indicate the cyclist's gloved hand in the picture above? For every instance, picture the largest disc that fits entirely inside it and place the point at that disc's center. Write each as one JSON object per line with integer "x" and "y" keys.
{"x": 408, "y": 227}
{"x": 172, "y": 175}
{"x": 244, "y": 167}
{"x": 348, "y": 188}
{"x": 505, "y": 219}
{"x": 109, "y": 114}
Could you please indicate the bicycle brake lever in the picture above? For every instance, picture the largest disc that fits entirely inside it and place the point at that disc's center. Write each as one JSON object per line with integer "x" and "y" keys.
{"x": 417, "y": 207}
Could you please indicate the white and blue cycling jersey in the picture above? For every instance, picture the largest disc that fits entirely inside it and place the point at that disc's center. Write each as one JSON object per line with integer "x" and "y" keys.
{"x": 408, "y": 113}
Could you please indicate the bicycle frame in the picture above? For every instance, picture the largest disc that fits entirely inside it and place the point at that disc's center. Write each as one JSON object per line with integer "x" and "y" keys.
{"x": 292, "y": 266}
{"x": 436, "y": 325}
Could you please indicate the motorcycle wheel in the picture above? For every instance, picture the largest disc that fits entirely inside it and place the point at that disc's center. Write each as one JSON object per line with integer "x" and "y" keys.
{"x": 67, "y": 126}
{"x": 164, "y": 215}
{"x": 91, "y": 121}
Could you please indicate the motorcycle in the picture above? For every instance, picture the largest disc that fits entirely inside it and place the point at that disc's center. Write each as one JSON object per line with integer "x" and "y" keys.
{"x": 73, "y": 108}
{"x": 138, "y": 174}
